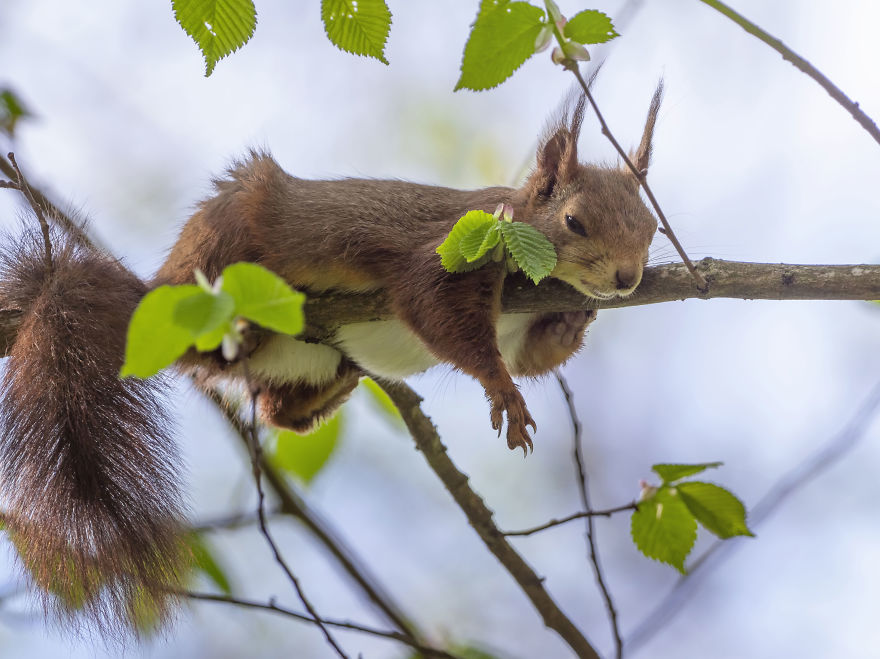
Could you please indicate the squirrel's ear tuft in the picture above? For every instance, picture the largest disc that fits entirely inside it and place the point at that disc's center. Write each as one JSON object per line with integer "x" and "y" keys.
{"x": 642, "y": 158}
{"x": 557, "y": 153}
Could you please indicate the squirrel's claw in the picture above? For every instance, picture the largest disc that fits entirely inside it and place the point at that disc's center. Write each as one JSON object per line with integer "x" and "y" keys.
{"x": 518, "y": 418}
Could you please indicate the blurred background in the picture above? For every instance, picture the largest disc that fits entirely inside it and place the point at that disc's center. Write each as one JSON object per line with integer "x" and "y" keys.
{"x": 753, "y": 161}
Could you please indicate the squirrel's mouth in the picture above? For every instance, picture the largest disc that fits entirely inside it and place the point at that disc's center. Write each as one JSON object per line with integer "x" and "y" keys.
{"x": 589, "y": 292}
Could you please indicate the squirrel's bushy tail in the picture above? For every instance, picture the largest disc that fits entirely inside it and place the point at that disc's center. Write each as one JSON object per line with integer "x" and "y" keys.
{"x": 88, "y": 471}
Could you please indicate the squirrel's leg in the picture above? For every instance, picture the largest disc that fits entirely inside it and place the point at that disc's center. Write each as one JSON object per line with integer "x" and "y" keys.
{"x": 455, "y": 315}
{"x": 300, "y": 406}
{"x": 551, "y": 339}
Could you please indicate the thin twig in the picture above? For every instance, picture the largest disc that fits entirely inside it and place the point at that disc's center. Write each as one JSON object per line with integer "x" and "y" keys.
{"x": 583, "y": 487}
{"x": 803, "y": 65}
{"x": 256, "y": 459}
{"x": 341, "y": 624}
{"x": 640, "y": 177}
{"x": 20, "y": 183}
{"x": 294, "y": 505}
{"x": 428, "y": 442}
{"x": 58, "y": 216}
{"x": 557, "y": 522}
{"x": 795, "y": 479}
{"x": 231, "y": 522}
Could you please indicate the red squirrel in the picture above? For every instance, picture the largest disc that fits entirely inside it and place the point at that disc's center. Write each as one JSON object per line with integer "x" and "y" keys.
{"x": 88, "y": 472}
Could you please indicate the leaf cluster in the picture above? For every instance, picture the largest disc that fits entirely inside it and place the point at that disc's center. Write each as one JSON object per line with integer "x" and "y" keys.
{"x": 665, "y": 525}
{"x": 479, "y": 238}
{"x": 172, "y": 319}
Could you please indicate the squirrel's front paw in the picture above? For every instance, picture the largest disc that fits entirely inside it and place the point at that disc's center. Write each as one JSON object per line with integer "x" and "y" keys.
{"x": 518, "y": 418}
{"x": 566, "y": 329}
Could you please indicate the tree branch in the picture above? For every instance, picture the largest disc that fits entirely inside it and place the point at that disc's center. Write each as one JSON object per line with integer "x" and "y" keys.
{"x": 565, "y": 520}
{"x": 584, "y": 489}
{"x": 341, "y": 624}
{"x": 294, "y": 505}
{"x": 480, "y": 517}
{"x": 800, "y": 63}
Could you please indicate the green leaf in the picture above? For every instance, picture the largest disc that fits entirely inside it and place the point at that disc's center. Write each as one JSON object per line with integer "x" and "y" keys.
{"x": 715, "y": 508}
{"x": 264, "y": 297}
{"x": 450, "y": 250}
{"x": 357, "y": 26}
{"x": 673, "y": 472}
{"x": 204, "y": 313}
{"x": 155, "y": 340}
{"x": 478, "y": 242}
{"x": 211, "y": 340}
{"x": 664, "y": 529}
{"x": 11, "y": 110}
{"x": 530, "y": 249}
{"x": 590, "y": 26}
{"x": 502, "y": 39}
{"x": 204, "y": 562}
{"x": 219, "y": 27}
{"x": 305, "y": 455}
{"x": 382, "y": 400}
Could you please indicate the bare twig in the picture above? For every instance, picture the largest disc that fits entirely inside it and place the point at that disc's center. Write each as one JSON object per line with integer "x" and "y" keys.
{"x": 294, "y": 505}
{"x": 641, "y": 178}
{"x": 55, "y": 214}
{"x": 19, "y": 182}
{"x": 795, "y": 479}
{"x": 256, "y": 459}
{"x": 803, "y": 65}
{"x": 583, "y": 487}
{"x": 480, "y": 517}
{"x": 341, "y": 624}
{"x": 565, "y": 520}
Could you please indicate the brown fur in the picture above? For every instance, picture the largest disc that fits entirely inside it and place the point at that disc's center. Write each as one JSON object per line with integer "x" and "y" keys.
{"x": 358, "y": 234}
{"x": 87, "y": 467}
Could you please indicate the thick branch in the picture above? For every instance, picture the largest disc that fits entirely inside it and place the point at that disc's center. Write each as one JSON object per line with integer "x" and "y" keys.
{"x": 664, "y": 283}
{"x": 480, "y": 517}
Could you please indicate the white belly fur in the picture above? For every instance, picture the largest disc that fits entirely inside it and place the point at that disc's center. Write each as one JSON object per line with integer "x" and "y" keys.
{"x": 386, "y": 348}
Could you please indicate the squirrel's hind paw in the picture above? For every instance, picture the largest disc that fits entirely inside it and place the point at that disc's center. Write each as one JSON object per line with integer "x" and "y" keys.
{"x": 518, "y": 418}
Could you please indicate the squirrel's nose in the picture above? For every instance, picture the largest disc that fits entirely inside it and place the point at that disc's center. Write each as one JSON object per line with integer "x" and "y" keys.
{"x": 627, "y": 278}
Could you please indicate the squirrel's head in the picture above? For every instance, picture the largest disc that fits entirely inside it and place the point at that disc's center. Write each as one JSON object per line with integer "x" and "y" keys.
{"x": 592, "y": 214}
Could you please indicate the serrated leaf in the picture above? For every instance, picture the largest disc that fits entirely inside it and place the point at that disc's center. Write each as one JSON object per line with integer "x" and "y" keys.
{"x": 154, "y": 339}
{"x": 501, "y": 40}
{"x": 219, "y": 27}
{"x": 357, "y": 26}
{"x": 478, "y": 242}
{"x": 530, "y": 249}
{"x": 305, "y": 455}
{"x": 204, "y": 562}
{"x": 590, "y": 26}
{"x": 382, "y": 400}
{"x": 715, "y": 508}
{"x": 204, "y": 313}
{"x": 451, "y": 256}
{"x": 264, "y": 298}
{"x": 664, "y": 529}
{"x": 673, "y": 472}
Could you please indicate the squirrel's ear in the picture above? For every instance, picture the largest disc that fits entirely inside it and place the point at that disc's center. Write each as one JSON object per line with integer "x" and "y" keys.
{"x": 554, "y": 156}
{"x": 557, "y": 154}
{"x": 642, "y": 158}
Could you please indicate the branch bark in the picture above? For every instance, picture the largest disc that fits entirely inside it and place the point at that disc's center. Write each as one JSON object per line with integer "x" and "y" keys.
{"x": 664, "y": 283}
{"x": 480, "y": 517}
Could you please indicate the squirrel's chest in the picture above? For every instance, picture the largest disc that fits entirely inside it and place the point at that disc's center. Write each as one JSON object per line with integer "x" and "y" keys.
{"x": 386, "y": 348}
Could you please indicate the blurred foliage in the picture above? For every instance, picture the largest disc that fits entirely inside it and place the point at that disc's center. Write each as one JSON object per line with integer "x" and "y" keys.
{"x": 304, "y": 456}
{"x": 12, "y": 110}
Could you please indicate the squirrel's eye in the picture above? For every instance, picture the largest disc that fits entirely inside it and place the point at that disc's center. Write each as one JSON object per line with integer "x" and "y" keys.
{"x": 575, "y": 226}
